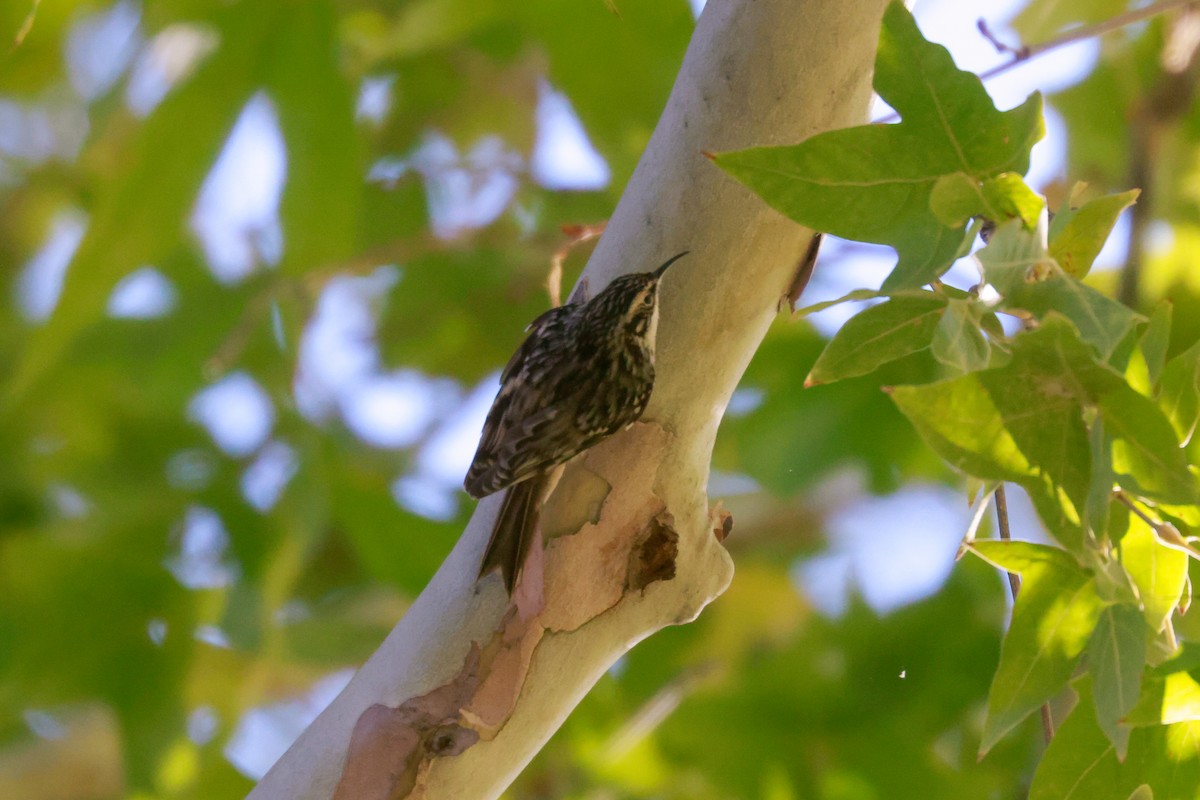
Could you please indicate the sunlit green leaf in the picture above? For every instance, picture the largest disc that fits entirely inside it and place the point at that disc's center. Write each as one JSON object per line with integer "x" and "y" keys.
{"x": 875, "y": 183}
{"x": 1179, "y": 391}
{"x": 1158, "y": 571}
{"x": 1078, "y": 234}
{"x": 1116, "y": 657}
{"x": 1017, "y": 264}
{"x": 879, "y": 334}
{"x": 1052, "y": 621}
{"x": 1146, "y": 454}
{"x": 958, "y": 341}
{"x": 1167, "y": 699}
{"x": 1080, "y": 762}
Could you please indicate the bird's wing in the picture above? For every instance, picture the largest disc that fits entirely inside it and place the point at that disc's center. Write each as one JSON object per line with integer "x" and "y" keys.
{"x": 517, "y": 413}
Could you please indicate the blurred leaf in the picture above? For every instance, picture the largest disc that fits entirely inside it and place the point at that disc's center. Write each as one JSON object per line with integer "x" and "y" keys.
{"x": 1077, "y": 235}
{"x": 618, "y": 115}
{"x": 1167, "y": 699}
{"x": 957, "y": 197}
{"x": 1179, "y": 392}
{"x": 1038, "y": 22}
{"x": 1080, "y": 763}
{"x": 1146, "y": 455}
{"x": 1158, "y": 571}
{"x": 1116, "y": 657}
{"x": 139, "y": 217}
{"x": 1100, "y": 491}
{"x": 1156, "y": 340}
{"x": 1053, "y": 619}
{"x": 1148, "y": 358}
{"x": 959, "y": 342}
{"x": 902, "y": 325}
{"x": 797, "y": 435}
{"x": 875, "y": 183}
{"x": 320, "y": 204}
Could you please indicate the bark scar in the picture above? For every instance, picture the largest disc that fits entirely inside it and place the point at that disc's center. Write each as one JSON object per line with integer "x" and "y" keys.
{"x": 654, "y": 553}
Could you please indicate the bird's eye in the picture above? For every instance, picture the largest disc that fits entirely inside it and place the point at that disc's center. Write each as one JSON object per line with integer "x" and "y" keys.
{"x": 648, "y": 300}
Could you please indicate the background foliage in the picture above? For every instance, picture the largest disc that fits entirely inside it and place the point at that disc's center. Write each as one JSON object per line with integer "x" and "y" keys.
{"x": 232, "y": 428}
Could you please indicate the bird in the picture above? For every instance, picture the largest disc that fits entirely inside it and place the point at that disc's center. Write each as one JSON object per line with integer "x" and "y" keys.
{"x": 584, "y": 372}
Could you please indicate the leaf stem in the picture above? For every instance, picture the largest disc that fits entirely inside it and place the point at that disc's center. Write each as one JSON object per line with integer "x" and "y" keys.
{"x": 1014, "y": 584}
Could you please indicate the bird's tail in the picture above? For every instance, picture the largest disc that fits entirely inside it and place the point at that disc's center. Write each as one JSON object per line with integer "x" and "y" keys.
{"x": 514, "y": 530}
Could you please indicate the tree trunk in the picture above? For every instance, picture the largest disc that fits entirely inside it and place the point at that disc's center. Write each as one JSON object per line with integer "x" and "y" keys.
{"x": 468, "y": 686}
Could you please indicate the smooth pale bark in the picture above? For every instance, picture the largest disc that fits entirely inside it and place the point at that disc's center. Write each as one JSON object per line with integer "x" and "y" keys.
{"x": 757, "y": 72}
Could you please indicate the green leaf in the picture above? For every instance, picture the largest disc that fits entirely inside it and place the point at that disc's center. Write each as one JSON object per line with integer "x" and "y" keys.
{"x": 1080, "y": 763}
{"x": 1116, "y": 656}
{"x": 958, "y": 341}
{"x": 1053, "y": 619}
{"x": 1158, "y": 571}
{"x": 1022, "y": 422}
{"x": 1077, "y": 235}
{"x": 1008, "y": 197}
{"x": 1017, "y": 264}
{"x": 1179, "y": 392}
{"x": 320, "y": 202}
{"x": 1146, "y": 455}
{"x": 1102, "y": 321}
{"x": 955, "y": 198}
{"x": 1021, "y": 557}
{"x": 1167, "y": 700}
{"x": 875, "y": 183}
{"x": 138, "y": 218}
{"x": 903, "y": 325}
{"x": 1099, "y": 499}
{"x": 1155, "y": 341}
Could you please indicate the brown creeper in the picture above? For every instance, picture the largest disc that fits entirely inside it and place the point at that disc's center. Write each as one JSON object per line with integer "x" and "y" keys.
{"x": 584, "y": 372}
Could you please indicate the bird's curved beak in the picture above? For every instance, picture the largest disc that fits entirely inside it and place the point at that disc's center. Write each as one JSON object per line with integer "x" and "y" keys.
{"x": 659, "y": 272}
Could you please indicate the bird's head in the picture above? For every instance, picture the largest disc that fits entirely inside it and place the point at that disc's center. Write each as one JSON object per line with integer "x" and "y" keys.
{"x": 633, "y": 299}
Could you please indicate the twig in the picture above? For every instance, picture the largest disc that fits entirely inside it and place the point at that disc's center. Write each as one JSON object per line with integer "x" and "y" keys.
{"x": 577, "y": 235}
{"x": 1014, "y": 580}
{"x": 1166, "y": 533}
{"x": 1014, "y": 584}
{"x": 1024, "y": 53}
{"x": 1079, "y": 34}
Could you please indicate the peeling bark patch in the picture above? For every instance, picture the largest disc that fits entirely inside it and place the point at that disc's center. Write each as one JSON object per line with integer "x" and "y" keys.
{"x": 653, "y": 557}
{"x": 383, "y": 758}
{"x": 391, "y": 749}
{"x": 588, "y": 573}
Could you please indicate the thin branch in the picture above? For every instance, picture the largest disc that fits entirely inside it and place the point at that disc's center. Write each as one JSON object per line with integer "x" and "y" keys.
{"x": 1014, "y": 580}
{"x": 1024, "y": 53}
{"x": 1079, "y": 34}
{"x": 1166, "y": 533}
{"x": 1014, "y": 584}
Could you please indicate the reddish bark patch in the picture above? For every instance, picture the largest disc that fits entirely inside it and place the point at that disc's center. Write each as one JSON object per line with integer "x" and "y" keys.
{"x": 391, "y": 749}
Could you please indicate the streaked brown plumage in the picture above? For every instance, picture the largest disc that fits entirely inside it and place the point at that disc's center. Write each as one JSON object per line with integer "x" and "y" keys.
{"x": 584, "y": 372}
